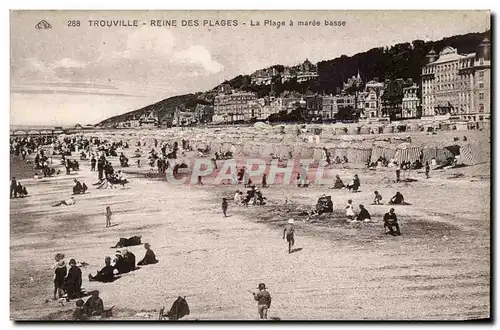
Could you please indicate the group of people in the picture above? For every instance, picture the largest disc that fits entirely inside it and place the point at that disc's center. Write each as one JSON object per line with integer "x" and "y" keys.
{"x": 17, "y": 189}
{"x": 253, "y": 196}
{"x": 66, "y": 282}
{"x": 352, "y": 186}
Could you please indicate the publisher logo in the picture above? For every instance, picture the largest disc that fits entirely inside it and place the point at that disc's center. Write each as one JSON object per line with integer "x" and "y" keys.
{"x": 43, "y": 25}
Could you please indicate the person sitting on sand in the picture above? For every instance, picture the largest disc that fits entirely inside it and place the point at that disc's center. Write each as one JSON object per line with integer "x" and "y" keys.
{"x": 355, "y": 184}
{"x": 391, "y": 223}
{"x": 149, "y": 257}
{"x": 21, "y": 191}
{"x": 78, "y": 188}
{"x": 104, "y": 275}
{"x": 94, "y": 306}
{"x": 129, "y": 258}
{"x": 349, "y": 210}
{"x": 67, "y": 202}
{"x": 339, "y": 184}
{"x": 120, "y": 265}
{"x": 73, "y": 282}
{"x": 377, "y": 199}
{"x": 363, "y": 214}
{"x": 397, "y": 199}
{"x": 79, "y": 312}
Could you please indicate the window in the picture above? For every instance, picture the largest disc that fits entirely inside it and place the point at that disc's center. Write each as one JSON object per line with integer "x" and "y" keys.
{"x": 481, "y": 96}
{"x": 481, "y": 108}
{"x": 481, "y": 118}
{"x": 481, "y": 61}
{"x": 481, "y": 74}
{"x": 481, "y": 85}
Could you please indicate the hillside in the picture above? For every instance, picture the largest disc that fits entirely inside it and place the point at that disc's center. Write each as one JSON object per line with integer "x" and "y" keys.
{"x": 399, "y": 61}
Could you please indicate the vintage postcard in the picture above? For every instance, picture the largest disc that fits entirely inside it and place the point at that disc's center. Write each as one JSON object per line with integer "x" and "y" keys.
{"x": 250, "y": 165}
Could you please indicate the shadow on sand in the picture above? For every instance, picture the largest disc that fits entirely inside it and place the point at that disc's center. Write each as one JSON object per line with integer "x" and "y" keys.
{"x": 296, "y": 250}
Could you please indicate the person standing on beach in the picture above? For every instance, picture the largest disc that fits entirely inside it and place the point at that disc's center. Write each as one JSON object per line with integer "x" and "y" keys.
{"x": 100, "y": 168}
{"x": 427, "y": 169}
{"x": 92, "y": 163}
{"x": 224, "y": 206}
{"x": 13, "y": 186}
{"x": 398, "y": 175}
{"x": 263, "y": 301}
{"x": 108, "y": 216}
{"x": 288, "y": 232}
{"x": 60, "y": 272}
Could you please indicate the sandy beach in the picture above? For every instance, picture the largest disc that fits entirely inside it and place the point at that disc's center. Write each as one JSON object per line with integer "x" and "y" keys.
{"x": 439, "y": 269}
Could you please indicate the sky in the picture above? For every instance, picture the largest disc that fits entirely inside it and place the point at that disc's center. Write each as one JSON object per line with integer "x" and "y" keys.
{"x": 84, "y": 74}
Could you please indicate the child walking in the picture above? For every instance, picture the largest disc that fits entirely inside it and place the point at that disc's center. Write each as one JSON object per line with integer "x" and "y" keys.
{"x": 108, "y": 216}
{"x": 288, "y": 232}
{"x": 263, "y": 301}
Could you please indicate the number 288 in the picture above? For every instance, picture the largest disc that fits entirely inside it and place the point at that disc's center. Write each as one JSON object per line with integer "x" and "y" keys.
{"x": 73, "y": 23}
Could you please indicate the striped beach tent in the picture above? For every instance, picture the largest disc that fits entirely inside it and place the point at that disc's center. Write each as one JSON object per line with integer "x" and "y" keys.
{"x": 474, "y": 153}
{"x": 407, "y": 152}
{"x": 359, "y": 153}
{"x": 434, "y": 150}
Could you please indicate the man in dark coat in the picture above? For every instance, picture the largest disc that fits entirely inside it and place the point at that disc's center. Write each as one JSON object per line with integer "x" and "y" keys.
{"x": 73, "y": 282}
{"x": 391, "y": 222}
{"x": 149, "y": 258}
{"x": 129, "y": 259}
{"x": 105, "y": 274}
{"x": 94, "y": 305}
{"x": 13, "y": 187}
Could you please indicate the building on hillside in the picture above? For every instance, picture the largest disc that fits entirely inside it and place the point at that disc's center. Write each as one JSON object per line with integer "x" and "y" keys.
{"x": 329, "y": 107}
{"x": 78, "y": 126}
{"x": 131, "y": 121}
{"x": 264, "y": 76}
{"x": 183, "y": 118}
{"x": 314, "y": 106}
{"x": 148, "y": 119}
{"x": 354, "y": 81}
{"x": 458, "y": 84}
{"x": 372, "y": 99}
{"x": 203, "y": 113}
{"x": 233, "y": 107}
{"x": 411, "y": 102}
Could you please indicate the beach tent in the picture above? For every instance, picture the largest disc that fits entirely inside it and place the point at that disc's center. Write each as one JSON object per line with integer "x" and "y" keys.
{"x": 364, "y": 130}
{"x": 407, "y": 152}
{"x": 388, "y": 129}
{"x": 359, "y": 153}
{"x": 474, "y": 153}
{"x": 433, "y": 150}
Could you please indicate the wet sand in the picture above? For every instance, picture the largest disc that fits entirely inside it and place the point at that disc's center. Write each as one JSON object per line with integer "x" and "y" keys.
{"x": 438, "y": 269}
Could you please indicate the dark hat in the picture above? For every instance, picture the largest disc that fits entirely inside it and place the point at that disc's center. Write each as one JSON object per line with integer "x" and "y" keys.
{"x": 262, "y": 286}
{"x": 72, "y": 262}
{"x": 79, "y": 303}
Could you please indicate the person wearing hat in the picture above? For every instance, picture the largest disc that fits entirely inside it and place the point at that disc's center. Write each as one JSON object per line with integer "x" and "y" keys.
{"x": 391, "y": 222}
{"x": 149, "y": 257}
{"x": 363, "y": 215}
{"x": 73, "y": 282}
{"x": 129, "y": 258}
{"x": 224, "y": 206}
{"x": 263, "y": 301}
{"x": 105, "y": 274}
{"x": 60, "y": 272}
{"x": 288, "y": 232}
{"x": 79, "y": 312}
{"x": 94, "y": 306}
{"x": 349, "y": 210}
{"x": 120, "y": 263}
